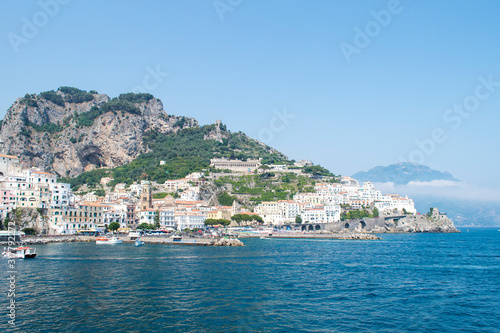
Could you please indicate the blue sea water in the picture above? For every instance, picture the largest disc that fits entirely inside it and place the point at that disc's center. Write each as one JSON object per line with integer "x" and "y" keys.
{"x": 402, "y": 283}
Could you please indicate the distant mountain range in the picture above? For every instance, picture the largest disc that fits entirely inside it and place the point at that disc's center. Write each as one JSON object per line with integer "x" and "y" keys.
{"x": 402, "y": 173}
{"x": 435, "y": 189}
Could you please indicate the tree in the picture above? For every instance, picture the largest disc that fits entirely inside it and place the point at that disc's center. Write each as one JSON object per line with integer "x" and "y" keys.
{"x": 157, "y": 220}
{"x": 258, "y": 219}
{"x": 29, "y": 231}
{"x": 375, "y": 212}
{"x": 100, "y": 193}
{"x": 113, "y": 226}
{"x": 213, "y": 222}
{"x": 225, "y": 199}
{"x": 298, "y": 219}
{"x": 317, "y": 170}
{"x": 145, "y": 226}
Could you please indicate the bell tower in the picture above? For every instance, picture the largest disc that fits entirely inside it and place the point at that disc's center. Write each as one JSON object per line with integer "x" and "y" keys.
{"x": 146, "y": 196}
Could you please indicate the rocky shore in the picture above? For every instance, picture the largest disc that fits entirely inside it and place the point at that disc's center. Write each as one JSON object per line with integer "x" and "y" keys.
{"x": 323, "y": 235}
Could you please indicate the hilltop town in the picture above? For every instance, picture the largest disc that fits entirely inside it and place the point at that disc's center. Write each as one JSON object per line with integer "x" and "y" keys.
{"x": 76, "y": 161}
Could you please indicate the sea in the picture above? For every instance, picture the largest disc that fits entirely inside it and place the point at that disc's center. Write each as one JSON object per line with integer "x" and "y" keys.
{"x": 402, "y": 283}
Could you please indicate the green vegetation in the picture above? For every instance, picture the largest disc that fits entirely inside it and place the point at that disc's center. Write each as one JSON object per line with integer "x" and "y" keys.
{"x": 30, "y": 101}
{"x": 146, "y": 226}
{"x": 86, "y": 119}
{"x": 91, "y": 178}
{"x": 157, "y": 220}
{"x": 358, "y": 214}
{"x": 268, "y": 186}
{"x": 212, "y": 222}
{"x": 135, "y": 98}
{"x": 115, "y": 105}
{"x": 48, "y": 127}
{"x": 186, "y": 151}
{"x": 113, "y": 226}
{"x": 318, "y": 170}
{"x": 159, "y": 195}
{"x": 53, "y": 97}
{"x": 298, "y": 219}
{"x": 75, "y": 95}
{"x": 247, "y": 218}
{"x": 100, "y": 193}
{"x": 124, "y": 103}
{"x": 29, "y": 231}
{"x": 225, "y": 199}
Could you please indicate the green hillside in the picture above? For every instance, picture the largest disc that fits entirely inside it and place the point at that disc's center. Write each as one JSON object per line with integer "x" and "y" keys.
{"x": 184, "y": 152}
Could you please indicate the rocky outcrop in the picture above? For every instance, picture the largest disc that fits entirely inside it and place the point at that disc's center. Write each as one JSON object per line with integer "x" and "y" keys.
{"x": 30, "y": 218}
{"x": 55, "y": 133}
{"x": 359, "y": 237}
{"x": 227, "y": 242}
{"x": 432, "y": 222}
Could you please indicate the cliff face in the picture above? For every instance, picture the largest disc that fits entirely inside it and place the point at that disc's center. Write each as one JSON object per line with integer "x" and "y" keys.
{"x": 69, "y": 132}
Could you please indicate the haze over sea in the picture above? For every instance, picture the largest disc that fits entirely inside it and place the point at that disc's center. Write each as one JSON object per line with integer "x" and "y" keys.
{"x": 405, "y": 282}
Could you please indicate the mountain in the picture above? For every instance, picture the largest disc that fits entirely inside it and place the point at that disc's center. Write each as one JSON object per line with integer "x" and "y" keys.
{"x": 402, "y": 173}
{"x": 69, "y": 131}
{"x": 86, "y": 135}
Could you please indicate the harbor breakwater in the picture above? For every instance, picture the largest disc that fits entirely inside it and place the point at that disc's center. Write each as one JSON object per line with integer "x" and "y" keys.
{"x": 199, "y": 241}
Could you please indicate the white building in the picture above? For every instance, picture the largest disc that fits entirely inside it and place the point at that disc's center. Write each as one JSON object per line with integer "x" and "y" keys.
{"x": 9, "y": 165}
{"x": 394, "y": 203}
{"x": 61, "y": 195}
{"x": 190, "y": 220}
{"x": 147, "y": 216}
{"x": 167, "y": 218}
{"x": 35, "y": 176}
{"x": 235, "y": 165}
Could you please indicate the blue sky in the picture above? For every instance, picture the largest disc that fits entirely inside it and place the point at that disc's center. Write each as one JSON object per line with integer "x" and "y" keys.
{"x": 260, "y": 57}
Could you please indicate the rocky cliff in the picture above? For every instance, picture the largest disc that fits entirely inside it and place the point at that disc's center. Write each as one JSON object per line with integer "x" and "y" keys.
{"x": 70, "y": 131}
{"x": 432, "y": 222}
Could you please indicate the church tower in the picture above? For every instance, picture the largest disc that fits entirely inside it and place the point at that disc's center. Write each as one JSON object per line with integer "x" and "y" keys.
{"x": 146, "y": 196}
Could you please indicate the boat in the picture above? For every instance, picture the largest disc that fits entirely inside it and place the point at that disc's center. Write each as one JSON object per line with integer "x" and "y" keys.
{"x": 262, "y": 237}
{"x": 135, "y": 234}
{"x": 176, "y": 239}
{"x": 22, "y": 252}
{"x": 139, "y": 242}
{"x": 106, "y": 240}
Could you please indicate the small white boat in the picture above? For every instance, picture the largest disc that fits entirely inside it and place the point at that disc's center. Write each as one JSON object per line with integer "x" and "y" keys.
{"x": 106, "y": 240}
{"x": 135, "y": 234}
{"x": 262, "y": 237}
{"x": 22, "y": 252}
{"x": 139, "y": 242}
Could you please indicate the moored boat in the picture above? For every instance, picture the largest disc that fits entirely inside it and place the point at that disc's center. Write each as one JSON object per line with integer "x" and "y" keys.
{"x": 22, "y": 252}
{"x": 106, "y": 240}
{"x": 139, "y": 242}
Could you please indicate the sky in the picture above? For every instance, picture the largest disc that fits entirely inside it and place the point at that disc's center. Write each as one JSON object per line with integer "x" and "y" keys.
{"x": 349, "y": 85}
